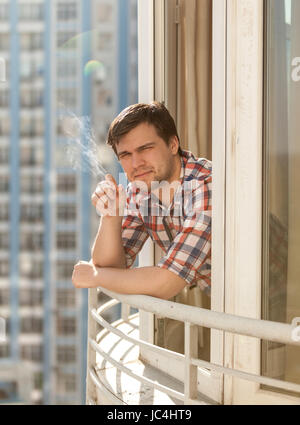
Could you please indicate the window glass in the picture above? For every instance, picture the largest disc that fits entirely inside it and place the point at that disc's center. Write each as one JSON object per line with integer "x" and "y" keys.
{"x": 281, "y": 230}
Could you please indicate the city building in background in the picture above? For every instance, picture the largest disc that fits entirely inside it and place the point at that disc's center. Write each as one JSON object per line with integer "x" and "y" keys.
{"x": 65, "y": 61}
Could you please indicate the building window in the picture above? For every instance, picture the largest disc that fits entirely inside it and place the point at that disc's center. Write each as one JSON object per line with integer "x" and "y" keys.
{"x": 4, "y": 183}
{"x": 33, "y": 353}
{"x": 4, "y": 296}
{"x": 32, "y": 41}
{"x": 38, "y": 380}
{"x": 66, "y": 68}
{"x": 66, "y": 40}
{"x": 105, "y": 97}
{"x": 32, "y": 213}
{"x": 66, "y": 354}
{"x": 31, "y": 98}
{"x": 105, "y": 41}
{"x": 4, "y": 42}
{"x": 4, "y": 12}
{"x": 31, "y": 127}
{"x": 32, "y": 325}
{"x": 66, "y": 326}
{"x": 31, "y": 268}
{"x": 31, "y": 184}
{"x": 4, "y": 268}
{"x": 4, "y": 154}
{"x": 31, "y": 68}
{"x": 30, "y": 297}
{"x": 66, "y": 183}
{"x": 4, "y": 240}
{"x": 32, "y": 155}
{"x": 66, "y": 240}
{"x": 4, "y": 98}
{"x": 4, "y": 351}
{"x": 4, "y": 212}
{"x": 4, "y": 131}
{"x": 31, "y": 241}
{"x": 66, "y": 212}
{"x": 105, "y": 12}
{"x": 66, "y": 11}
{"x": 64, "y": 269}
{"x": 66, "y": 383}
{"x": 65, "y": 297}
{"x": 31, "y": 12}
{"x": 66, "y": 97}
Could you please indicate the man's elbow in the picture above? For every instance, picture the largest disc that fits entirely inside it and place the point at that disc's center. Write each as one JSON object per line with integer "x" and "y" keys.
{"x": 172, "y": 286}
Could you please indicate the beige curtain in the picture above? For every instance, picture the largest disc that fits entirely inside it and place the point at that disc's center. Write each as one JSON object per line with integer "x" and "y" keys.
{"x": 195, "y": 68}
{"x": 194, "y": 127}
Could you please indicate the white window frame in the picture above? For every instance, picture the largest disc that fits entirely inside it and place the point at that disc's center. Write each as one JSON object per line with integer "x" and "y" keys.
{"x": 244, "y": 183}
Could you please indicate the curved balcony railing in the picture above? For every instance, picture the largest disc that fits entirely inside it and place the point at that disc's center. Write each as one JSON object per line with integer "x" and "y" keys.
{"x": 192, "y": 317}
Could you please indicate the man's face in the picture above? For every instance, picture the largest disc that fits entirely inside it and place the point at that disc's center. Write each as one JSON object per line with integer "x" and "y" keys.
{"x": 146, "y": 157}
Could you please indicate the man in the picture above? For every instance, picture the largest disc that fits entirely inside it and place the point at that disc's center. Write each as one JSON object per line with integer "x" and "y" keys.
{"x": 168, "y": 199}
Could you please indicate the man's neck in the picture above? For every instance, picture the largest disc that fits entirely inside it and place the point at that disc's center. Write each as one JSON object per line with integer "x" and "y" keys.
{"x": 167, "y": 192}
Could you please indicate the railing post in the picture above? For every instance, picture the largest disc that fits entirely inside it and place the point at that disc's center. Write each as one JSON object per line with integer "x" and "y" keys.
{"x": 190, "y": 351}
{"x": 125, "y": 311}
{"x": 91, "y": 395}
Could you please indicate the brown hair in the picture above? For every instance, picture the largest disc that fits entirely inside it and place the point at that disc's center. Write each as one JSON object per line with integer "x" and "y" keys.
{"x": 154, "y": 113}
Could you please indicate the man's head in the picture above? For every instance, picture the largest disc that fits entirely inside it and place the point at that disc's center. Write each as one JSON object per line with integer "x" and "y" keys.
{"x": 145, "y": 139}
{"x": 154, "y": 113}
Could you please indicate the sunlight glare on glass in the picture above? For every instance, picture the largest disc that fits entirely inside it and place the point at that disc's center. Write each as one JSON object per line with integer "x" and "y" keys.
{"x": 96, "y": 68}
{"x": 288, "y": 11}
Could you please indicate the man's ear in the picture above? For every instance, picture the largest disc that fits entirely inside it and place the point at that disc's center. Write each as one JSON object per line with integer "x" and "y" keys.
{"x": 174, "y": 145}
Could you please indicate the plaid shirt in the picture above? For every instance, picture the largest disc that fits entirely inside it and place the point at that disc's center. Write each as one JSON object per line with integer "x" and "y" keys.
{"x": 182, "y": 229}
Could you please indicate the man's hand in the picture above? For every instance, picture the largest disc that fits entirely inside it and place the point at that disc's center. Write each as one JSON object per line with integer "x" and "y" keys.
{"x": 85, "y": 275}
{"x": 109, "y": 198}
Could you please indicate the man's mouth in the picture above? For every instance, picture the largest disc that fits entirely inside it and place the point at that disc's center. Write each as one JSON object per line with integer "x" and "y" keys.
{"x": 142, "y": 174}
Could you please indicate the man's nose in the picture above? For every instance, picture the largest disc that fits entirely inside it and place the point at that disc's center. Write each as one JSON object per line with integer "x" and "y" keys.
{"x": 136, "y": 160}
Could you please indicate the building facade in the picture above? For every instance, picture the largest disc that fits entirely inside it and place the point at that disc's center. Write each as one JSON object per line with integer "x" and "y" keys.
{"x": 64, "y": 61}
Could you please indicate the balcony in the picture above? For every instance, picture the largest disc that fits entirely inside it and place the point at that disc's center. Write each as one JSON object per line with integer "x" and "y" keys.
{"x": 118, "y": 373}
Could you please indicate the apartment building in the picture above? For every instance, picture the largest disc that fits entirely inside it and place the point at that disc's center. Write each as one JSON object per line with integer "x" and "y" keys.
{"x": 63, "y": 59}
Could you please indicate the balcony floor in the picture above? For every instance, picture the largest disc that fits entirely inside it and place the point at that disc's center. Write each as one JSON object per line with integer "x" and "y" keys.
{"x": 125, "y": 389}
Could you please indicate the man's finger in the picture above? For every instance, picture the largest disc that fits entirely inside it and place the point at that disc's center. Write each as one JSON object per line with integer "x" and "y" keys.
{"x": 110, "y": 178}
{"x": 107, "y": 188}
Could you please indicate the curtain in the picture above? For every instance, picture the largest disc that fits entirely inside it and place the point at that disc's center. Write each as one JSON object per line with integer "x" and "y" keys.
{"x": 194, "y": 118}
{"x": 195, "y": 70}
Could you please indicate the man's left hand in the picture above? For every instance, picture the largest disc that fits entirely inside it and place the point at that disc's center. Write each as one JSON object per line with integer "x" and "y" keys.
{"x": 85, "y": 275}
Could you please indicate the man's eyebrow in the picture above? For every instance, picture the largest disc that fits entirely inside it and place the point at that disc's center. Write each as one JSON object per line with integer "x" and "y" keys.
{"x": 122, "y": 152}
{"x": 137, "y": 149}
{"x": 145, "y": 145}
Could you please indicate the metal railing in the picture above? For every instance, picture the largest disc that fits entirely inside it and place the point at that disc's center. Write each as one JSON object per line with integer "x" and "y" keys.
{"x": 192, "y": 317}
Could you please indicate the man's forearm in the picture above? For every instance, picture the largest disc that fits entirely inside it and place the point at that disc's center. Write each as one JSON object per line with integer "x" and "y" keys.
{"x": 153, "y": 281}
{"x": 108, "y": 249}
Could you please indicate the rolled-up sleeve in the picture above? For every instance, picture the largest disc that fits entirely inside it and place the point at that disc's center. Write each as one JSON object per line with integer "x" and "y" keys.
{"x": 134, "y": 236}
{"x": 189, "y": 255}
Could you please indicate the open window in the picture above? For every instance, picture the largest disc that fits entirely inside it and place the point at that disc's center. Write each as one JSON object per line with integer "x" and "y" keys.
{"x": 183, "y": 79}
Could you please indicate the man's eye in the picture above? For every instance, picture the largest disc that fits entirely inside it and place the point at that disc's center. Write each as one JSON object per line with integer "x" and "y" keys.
{"x": 124, "y": 155}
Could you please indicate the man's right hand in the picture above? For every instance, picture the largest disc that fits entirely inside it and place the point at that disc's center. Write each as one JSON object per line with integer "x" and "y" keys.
{"x": 109, "y": 199}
